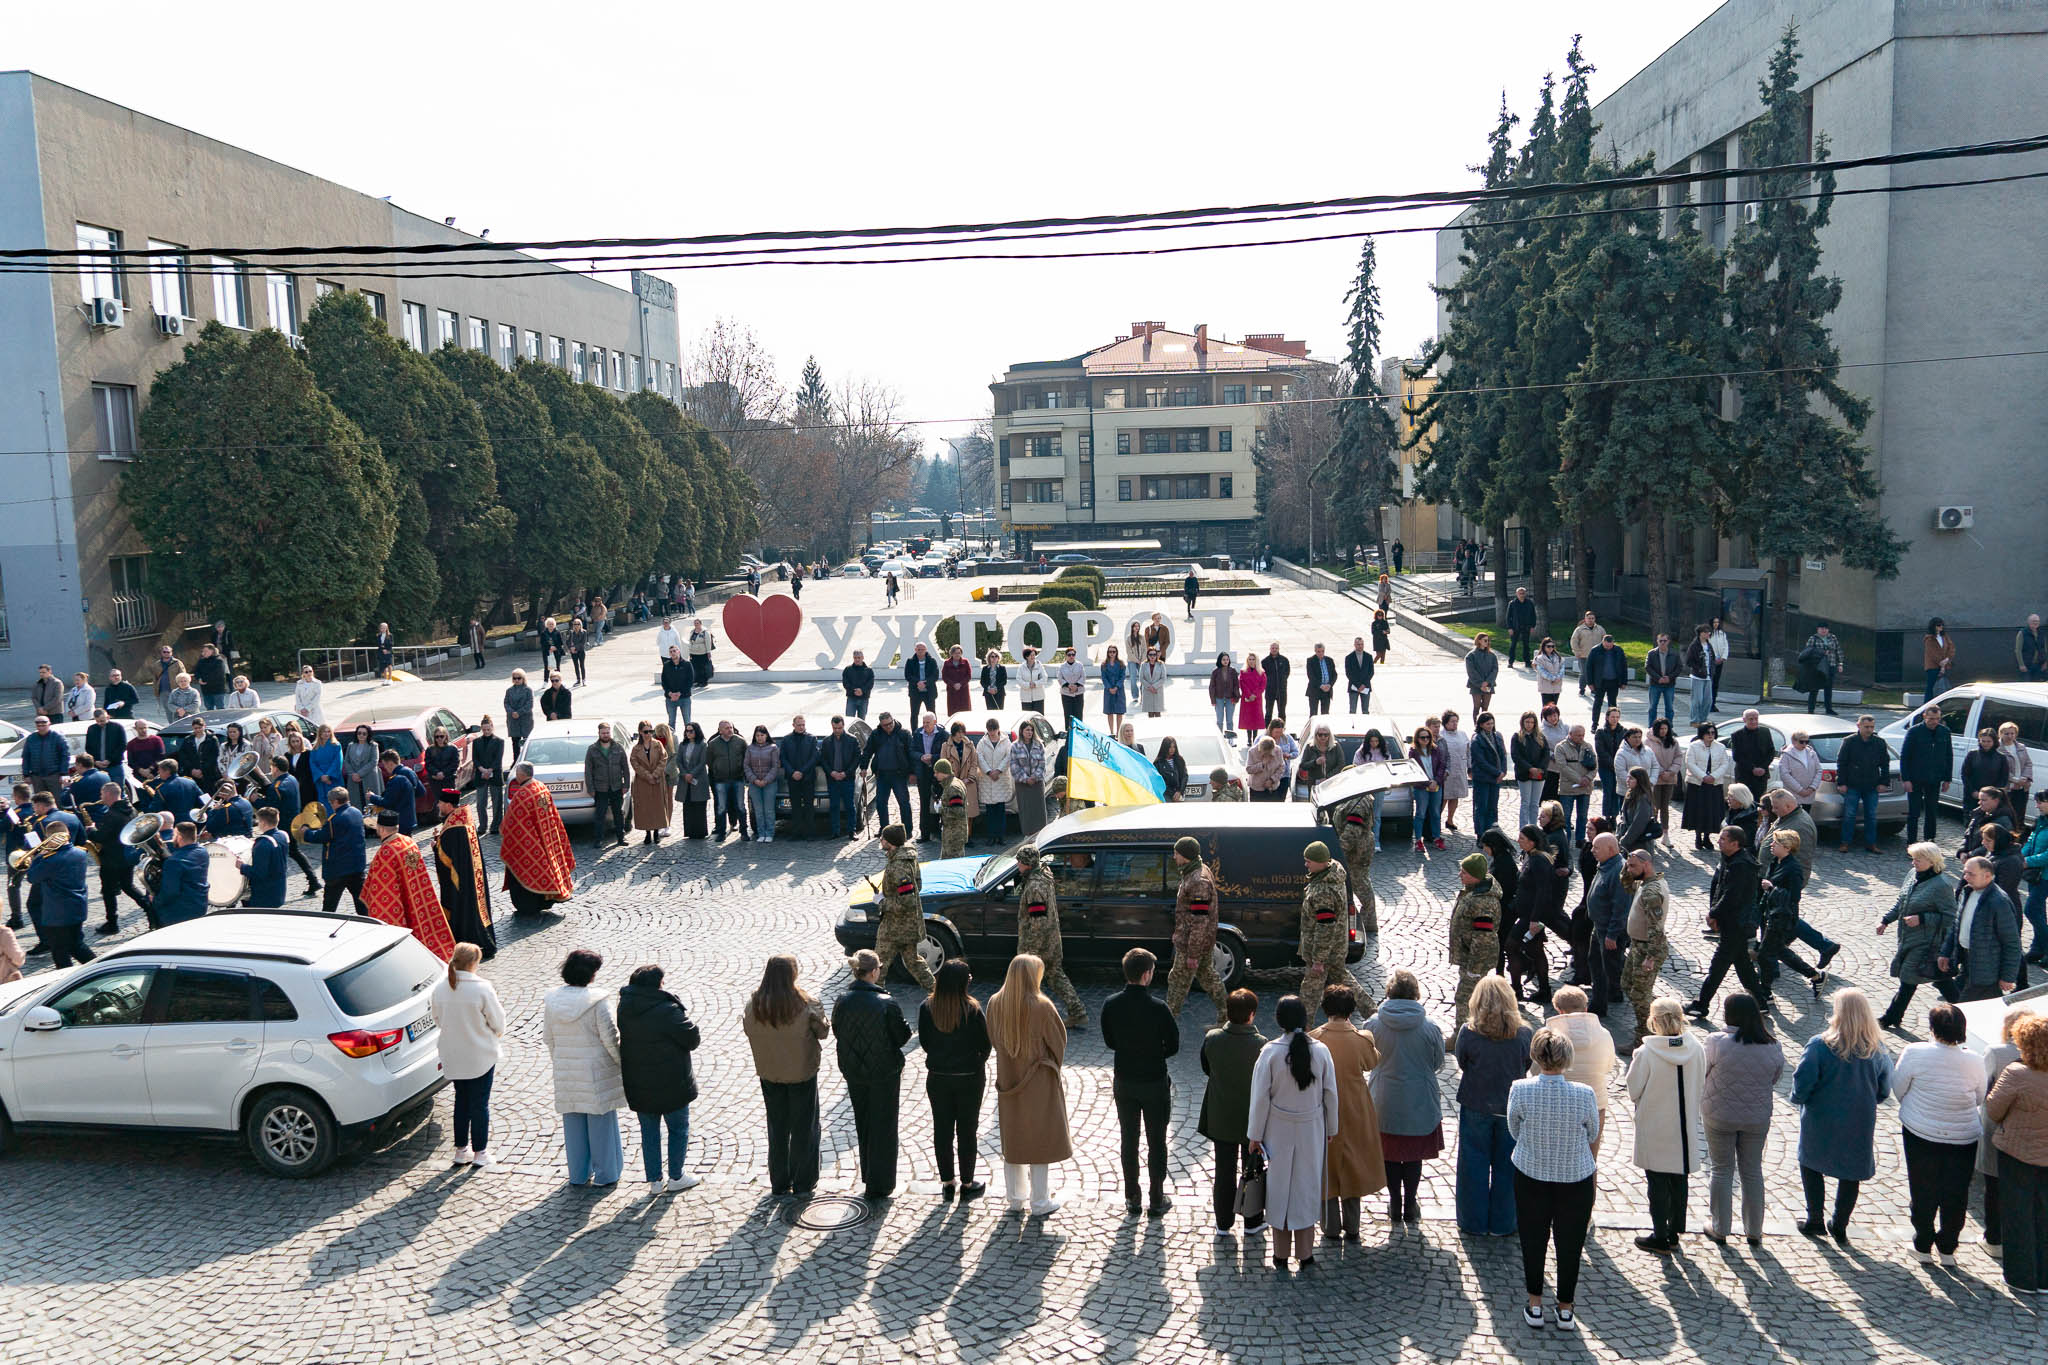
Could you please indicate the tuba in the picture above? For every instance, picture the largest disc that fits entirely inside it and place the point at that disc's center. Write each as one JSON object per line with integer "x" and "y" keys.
{"x": 244, "y": 764}
{"x": 146, "y": 832}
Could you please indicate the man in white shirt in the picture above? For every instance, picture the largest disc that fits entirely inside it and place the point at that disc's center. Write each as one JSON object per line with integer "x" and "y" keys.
{"x": 667, "y": 638}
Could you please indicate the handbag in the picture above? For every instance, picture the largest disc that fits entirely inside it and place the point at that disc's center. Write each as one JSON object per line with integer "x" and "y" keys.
{"x": 1250, "y": 1203}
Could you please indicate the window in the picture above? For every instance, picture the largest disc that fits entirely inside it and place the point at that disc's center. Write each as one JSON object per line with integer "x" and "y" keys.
{"x": 1233, "y": 393}
{"x": 416, "y": 325}
{"x": 479, "y": 335}
{"x": 1123, "y": 490}
{"x": 1180, "y": 486}
{"x": 170, "y": 282}
{"x": 668, "y": 379}
{"x": 1055, "y": 399}
{"x": 533, "y": 345}
{"x": 1185, "y": 441}
{"x": 1113, "y": 398}
{"x": 134, "y": 608}
{"x": 633, "y": 374}
{"x": 201, "y": 996}
{"x": 2032, "y": 720}
{"x": 113, "y": 410}
{"x": 129, "y": 574}
{"x": 556, "y": 355}
{"x": 1262, "y": 393}
{"x": 506, "y": 353}
{"x": 322, "y": 288}
{"x": 1152, "y": 396}
{"x": 107, "y": 1000}
{"x": 1006, "y": 497}
{"x": 1039, "y": 447}
{"x": 284, "y": 301}
{"x": 1042, "y": 490}
{"x": 376, "y": 302}
{"x": 272, "y": 1002}
{"x": 1127, "y": 873}
{"x": 1157, "y": 442}
{"x": 1087, "y": 492}
{"x": 576, "y": 361}
{"x": 1003, "y": 450}
{"x": 1085, "y": 445}
{"x": 1223, "y": 438}
{"x": 391, "y": 977}
{"x": 1955, "y": 716}
{"x": 230, "y": 292}
{"x": 1123, "y": 443}
{"x": 99, "y": 277}
{"x": 618, "y": 369}
{"x": 447, "y": 328}
{"x": 1223, "y": 486}
{"x": 1184, "y": 396}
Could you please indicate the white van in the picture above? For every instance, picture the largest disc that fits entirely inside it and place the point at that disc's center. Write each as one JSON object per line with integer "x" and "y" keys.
{"x": 1974, "y": 706}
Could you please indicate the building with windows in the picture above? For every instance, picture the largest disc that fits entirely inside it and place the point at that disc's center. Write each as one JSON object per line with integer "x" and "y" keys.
{"x": 1146, "y": 437}
{"x": 1939, "y": 323}
{"x": 79, "y": 348}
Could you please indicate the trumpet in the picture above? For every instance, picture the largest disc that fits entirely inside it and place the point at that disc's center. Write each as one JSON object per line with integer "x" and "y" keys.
{"x": 56, "y": 841}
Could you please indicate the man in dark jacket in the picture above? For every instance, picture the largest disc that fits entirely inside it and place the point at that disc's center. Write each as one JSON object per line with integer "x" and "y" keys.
{"x": 1606, "y": 672}
{"x": 106, "y": 743}
{"x": 210, "y": 676}
{"x": 1190, "y": 588}
{"x": 181, "y": 895}
{"x": 925, "y": 744}
{"x": 1927, "y": 762}
{"x": 870, "y": 1032}
{"x": 839, "y": 756}
{"x": 120, "y": 698}
{"x": 1754, "y": 751}
{"x": 1278, "y": 670}
{"x": 1732, "y": 909}
{"x": 857, "y": 680}
{"x": 1980, "y": 954}
{"x": 1661, "y": 668}
{"x": 1521, "y": 627}
{"x": 346, "y": 857}
{"x": 402, "y": 792}
{"x": 1358, "y": 671}
{"x": 606, "y": 779}
{"x": 46, "y": 694}
{"x": 677, "y": 680}
{"x": 60, "y": 876}
{"x": 44, "y": 757}
{"x": 725, "y": 759}
{"x": 1322, "y": 682}
{"x": 1863, "y": 764}
{"x": 110, "y": 815}
{"x": 656, "y": 1038}
{"x": 198, "y": 755}
{"x": 921, "y": 672}
{"x": 1142, "y": 1033}
{"x": 799, "y": 749}
{"x": 1607, "y": 903}
{"x": 891, "y": 759}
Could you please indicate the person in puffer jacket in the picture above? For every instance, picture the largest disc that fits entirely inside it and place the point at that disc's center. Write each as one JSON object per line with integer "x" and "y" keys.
{"x": 583, "y": 1045}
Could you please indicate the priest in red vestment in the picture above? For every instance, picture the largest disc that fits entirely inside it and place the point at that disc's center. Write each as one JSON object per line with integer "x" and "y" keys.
{"x": 398, "y": 890}
{"x": 533, "y": 845}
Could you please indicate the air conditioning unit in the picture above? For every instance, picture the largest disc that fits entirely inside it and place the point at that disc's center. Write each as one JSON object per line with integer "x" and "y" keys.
{"x": 106, "y": 312}
{"x": 1954, "y": 518}
{"x": 170, "y": 326}
{"x": 1750, "y": 212}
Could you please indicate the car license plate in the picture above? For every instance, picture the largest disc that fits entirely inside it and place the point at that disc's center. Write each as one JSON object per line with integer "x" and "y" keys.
{"x": 419, "y": 1028}
{"x": 565, "y": 786}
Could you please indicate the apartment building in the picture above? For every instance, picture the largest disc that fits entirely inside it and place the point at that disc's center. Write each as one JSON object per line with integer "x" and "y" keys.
{"x": 78, "y": 351}
{"x": 1147, "y": 437}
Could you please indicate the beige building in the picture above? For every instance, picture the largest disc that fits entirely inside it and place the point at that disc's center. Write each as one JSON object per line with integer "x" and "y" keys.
{"x": 1423, "y": 528}
{"x": 1148, "y": 437}
{"x": 79, "y": 349}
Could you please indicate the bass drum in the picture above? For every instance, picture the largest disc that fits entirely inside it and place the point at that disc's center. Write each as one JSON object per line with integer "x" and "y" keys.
{"x": 226, "y": 884}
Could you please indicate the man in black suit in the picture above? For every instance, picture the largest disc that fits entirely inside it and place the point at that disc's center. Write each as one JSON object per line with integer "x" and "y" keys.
{"x": 1278, "y": 670}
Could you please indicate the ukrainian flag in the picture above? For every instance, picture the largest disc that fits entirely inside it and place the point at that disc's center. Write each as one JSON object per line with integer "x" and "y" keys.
{"x": 1103, "y": 771}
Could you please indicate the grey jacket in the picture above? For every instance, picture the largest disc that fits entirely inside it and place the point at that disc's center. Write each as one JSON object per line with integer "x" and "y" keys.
{"x": 1933, "y": 899}
{"x": 1994, "y": 945}
{"x": 1741, "y": 1079}
{"x": 604, "y": 767}
{"x": 1404, "y": 1085}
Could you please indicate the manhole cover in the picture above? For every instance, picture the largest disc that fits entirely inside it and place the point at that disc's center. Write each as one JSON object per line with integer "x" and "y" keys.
{"x": 827, "y": 1213}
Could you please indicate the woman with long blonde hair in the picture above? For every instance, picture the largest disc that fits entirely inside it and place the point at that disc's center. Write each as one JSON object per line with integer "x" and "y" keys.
{"x": 1844, "y": 1075}
{"x": 470, "y": 1028}
{"x": 1493, "y": 1053}
{"x": 1031, "y": 1101}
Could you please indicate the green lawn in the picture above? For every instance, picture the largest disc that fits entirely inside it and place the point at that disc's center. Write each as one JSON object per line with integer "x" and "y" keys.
{"x": 1634, "y": 641}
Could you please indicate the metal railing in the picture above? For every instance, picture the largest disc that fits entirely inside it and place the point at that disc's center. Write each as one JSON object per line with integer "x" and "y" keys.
{"x": 134, "y": 615}
{"x": 350, "y": 663}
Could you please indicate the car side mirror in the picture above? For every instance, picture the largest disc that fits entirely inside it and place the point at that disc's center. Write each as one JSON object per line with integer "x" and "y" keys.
{"x": 471, "y": 729}
{"x": 42, "y": 1019}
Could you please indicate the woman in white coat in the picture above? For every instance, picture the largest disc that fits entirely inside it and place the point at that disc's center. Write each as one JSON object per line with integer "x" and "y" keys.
{"x": 306, "y": 698}
{"x": 996, "y": 782}
{"x": 1664, "y": 1080}
{"x": 1293, "y": 1117}
{"x": 471, "y": 1026}
{"x": 1152, "y": 684}
{"x": 1709, "y": 768}
{"x": 583, "y": 1043}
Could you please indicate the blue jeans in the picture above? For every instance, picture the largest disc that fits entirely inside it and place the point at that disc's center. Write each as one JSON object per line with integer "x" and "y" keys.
{"x": 1486, "y": 1173}
{"x": 678, "y": 1121}
{"x": 728, "y": 802}
{"x": 473, "y": 1111}
{"x": 1610, "y": 799}
{"x": 1933, "y": 688}
{"x": 761, "y": 801}
{"x": 857, "y": 707}
{"x": 1379, "y": 801}
{"x": 1224, "y": 716}
{"x": 1575, "y": 808}
{"x": 595, "y": 1153}
{"x": 1702, "y": 700}
{"x": 839, "y": 797}
{"x": 1485, "y": 805}
{"x": 899, "y": 784}
{"x": 679, "y": 705}
{"x": 1865, "y": 797}
{"x": 2037, "y": 915}
{"x": 1664, "y": 693}
{"x": 1429, "y": 810}
{"x": 1814, "y": 938}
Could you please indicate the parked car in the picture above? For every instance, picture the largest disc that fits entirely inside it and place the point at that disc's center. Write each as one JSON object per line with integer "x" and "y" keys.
{"x": 1826, "y": 734}
{"x": 556, "y": 749}
{"x": 1112, "y": 867}
{"x": 217, "y": 723}
{"x": 1072, "y": 557}
{"x": 1200, "y": 744}
{"x": 854, "y": 569}
{"x": 1348, "y": 732}
{"x": 11, "y": 735}
{"x": 407, "y": 730}
{"x": 305, "y": 1033}
{"x": 1972, "y": 707}
{"x": 74, "y": 735}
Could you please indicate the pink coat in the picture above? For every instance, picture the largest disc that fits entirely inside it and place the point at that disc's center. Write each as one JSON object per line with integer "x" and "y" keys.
{"x": 1251, "y": 699}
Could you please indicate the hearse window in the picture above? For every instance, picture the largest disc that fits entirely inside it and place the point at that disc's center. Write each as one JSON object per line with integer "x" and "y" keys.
{"x": 1132, "y": 872}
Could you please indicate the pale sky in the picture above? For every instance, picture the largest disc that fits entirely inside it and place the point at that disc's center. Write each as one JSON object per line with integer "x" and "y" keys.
{"x": 644, "y": 120}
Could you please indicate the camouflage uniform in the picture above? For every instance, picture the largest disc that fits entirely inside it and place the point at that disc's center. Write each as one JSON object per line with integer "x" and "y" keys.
{"x": 1647, "y": 948}
{"x": 1475, "y": 938}
{"x": 1195, "y": 909}
{"x": 1354, "y": 841}
{"x": 1038, "y": 933}
{"x": 1326, "y": 936}
{"x": 902, "y": 921}
{"x": 1226, "y": 791}
{"x": 953, "y": 819}
{"x": 1056, "y": 798}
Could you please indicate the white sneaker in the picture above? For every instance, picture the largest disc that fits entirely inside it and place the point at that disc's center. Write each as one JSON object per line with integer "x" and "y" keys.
{"x": 1041, "y": 1208}
{"x": 1532, "y": 1314}
{"x": 484, "y": 1161}
{"x": 462, "y": 1156}
{"x": 1567, "y": 1320}
{"x": 1924, "y": 1257}
{"x": 1257, "y": 1229}
{"x": 678, "y": 1183}
{"x": 1948, "y": 1259}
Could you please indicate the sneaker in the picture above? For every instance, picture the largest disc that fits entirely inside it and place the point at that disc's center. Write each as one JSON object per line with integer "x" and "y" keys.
{"x": 484, "y": 1161}
{"x": 462, "y": 1157}
{"x": 1532, "y": 1313}
{"x": 1948, "y": 1260}
{"x": 1257, "y": 1229}
{"x": 1439, "y": 843}
{"x": 1924, "y": 1257}
{"x": 1567, "y": 1320}
{"x": 1041, "y": 1208}
{"x": 1223, "y": 1232}
{"x": 1821, "y": 964}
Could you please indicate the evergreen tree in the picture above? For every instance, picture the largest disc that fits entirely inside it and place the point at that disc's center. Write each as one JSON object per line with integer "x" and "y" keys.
{"x": 258, "y": 499}
{"x": 1364, "y": 453}
{"x": 679, "y": 441}
{"x": 813, "y": 404}
{"x": 1801, "y": 486}
{"x": 628, "y": 550}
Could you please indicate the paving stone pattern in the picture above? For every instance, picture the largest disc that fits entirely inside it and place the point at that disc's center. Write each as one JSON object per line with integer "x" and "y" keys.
{"x": 149, "y": 1247}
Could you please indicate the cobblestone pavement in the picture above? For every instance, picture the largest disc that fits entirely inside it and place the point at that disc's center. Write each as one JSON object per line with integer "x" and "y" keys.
{"x": 146, "y": 1247}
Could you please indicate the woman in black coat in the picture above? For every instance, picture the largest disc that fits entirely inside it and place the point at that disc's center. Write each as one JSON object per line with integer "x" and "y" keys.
{"x": 954, "y": 1035}
{"x": 1171, "y": 767}
{"x": 1523, "y": 945}
{"x": 656, "y": 1039}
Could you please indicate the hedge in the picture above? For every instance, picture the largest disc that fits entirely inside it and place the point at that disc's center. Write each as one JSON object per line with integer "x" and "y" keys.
{"x": 1088, "y": 594}
{"x": 1059, "y": 609}
{"x": 1085, "y": 572}
{"x": 948, "y": 635}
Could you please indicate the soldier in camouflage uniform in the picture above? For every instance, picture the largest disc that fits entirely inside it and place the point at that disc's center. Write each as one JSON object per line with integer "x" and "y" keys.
{"x": 952, "y": 810}
{"x": 1325, "y": 927}
{"x": 1223, "y": 788}
{"x": 1647, "y": 948}
{"x": 1056, "y": 798}
{"x": 1195, "y": 908}
{"x": 1354, "y": 841}
{"x": 902, "y": 919}
{"x": 1475, "y": 927}
{"x": 1038, "y": 933}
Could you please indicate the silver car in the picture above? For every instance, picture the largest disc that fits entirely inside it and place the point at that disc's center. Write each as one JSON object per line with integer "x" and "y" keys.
{"x": 556, "y": 749}
{"x": 1826, "y": 734}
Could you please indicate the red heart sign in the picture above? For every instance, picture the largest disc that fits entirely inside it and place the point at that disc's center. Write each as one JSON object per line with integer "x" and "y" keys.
{"x": 763, "y": 627}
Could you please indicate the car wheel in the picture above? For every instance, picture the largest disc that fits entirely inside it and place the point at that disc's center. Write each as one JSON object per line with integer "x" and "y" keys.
{"x": 290, "y": 1134}
{"x": 938, "y": 944}
{"x": 1231, "y": 961}
{"x": 6, "y": 1133}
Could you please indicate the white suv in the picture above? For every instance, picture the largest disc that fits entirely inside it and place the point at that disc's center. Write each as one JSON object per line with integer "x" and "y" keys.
{"x": 301, "y": 1031}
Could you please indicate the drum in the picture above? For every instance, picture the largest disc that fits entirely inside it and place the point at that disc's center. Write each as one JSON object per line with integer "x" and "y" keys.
{"x": 226, "y": 884}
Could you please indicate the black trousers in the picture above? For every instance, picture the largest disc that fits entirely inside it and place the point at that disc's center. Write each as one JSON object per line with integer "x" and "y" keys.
{"x": 1223, "y": 1190}
{"x": 1518, "y": 639}
{"x": 490, "y": 806}
{"x": 607, "y": 805}
{"x": 1777, "y": 949}
{"x": 1667, "y": 1205}
{"x": 1149, "y": 1103}
{"x": 1276, "y": 704}
{"x": 803, "y": 805}
{"x": 1731, "y": 951}
{"x": 1319, "y": 703}
{"x": 874, "y": 1104}
{"x": 1070, "y": 707}
{"x": 1404, "y": 1181}
{"x": 330, "y": 894}
{"x": 1938, "y": 1190}
{"x": 927, "y": 804}
{"x": 956, "y": 1114}
{"x": 2023, "y": 1197}
{"x": 299, "y": 857}
{"x": 1606, "y": 965}
{"x": 1547, "y": 1211}
{"x": 1605, "y": 694}
{"x": 66, "y": 943}
{"x": 114, "y": 881}
{"x": 792, "y": 1135}
{"x": 1816, "y": 1187}
{"x": 921, "y": 701}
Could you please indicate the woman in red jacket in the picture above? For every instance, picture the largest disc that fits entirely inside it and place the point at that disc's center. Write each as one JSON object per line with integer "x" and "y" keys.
{"x": 956, "y": 673}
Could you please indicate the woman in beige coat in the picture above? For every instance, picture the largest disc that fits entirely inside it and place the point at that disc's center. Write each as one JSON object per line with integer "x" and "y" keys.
{"x": 653, "y": 795}
{"x": 1031, "y": 1102}
{"x": 959, "y": 748}
{"x": 1355, "y": 1167}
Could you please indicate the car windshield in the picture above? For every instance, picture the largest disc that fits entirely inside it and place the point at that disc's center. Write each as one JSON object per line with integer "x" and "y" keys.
{"x": 403, "y": 742}
{"x": 995, "y": 867}
{"x": 397, "y": 974}
{"x": 555, "y": 751}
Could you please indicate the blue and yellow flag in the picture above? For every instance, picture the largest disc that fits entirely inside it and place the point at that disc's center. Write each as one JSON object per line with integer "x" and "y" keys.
{"x": 1103, "y": 771}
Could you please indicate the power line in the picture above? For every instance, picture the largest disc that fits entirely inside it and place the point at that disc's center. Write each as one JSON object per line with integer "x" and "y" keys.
{"x": 1461, "y": 197}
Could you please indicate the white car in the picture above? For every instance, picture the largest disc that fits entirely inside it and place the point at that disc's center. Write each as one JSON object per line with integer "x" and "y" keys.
{"x": 853, "y": 569}
{"x": 300, "y": 1031}
{"x": 74, "y": 735}
{"x": 1201, "y": 748}
{"x": 556, "y": 749}
{"x": 1975, "y": 706}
